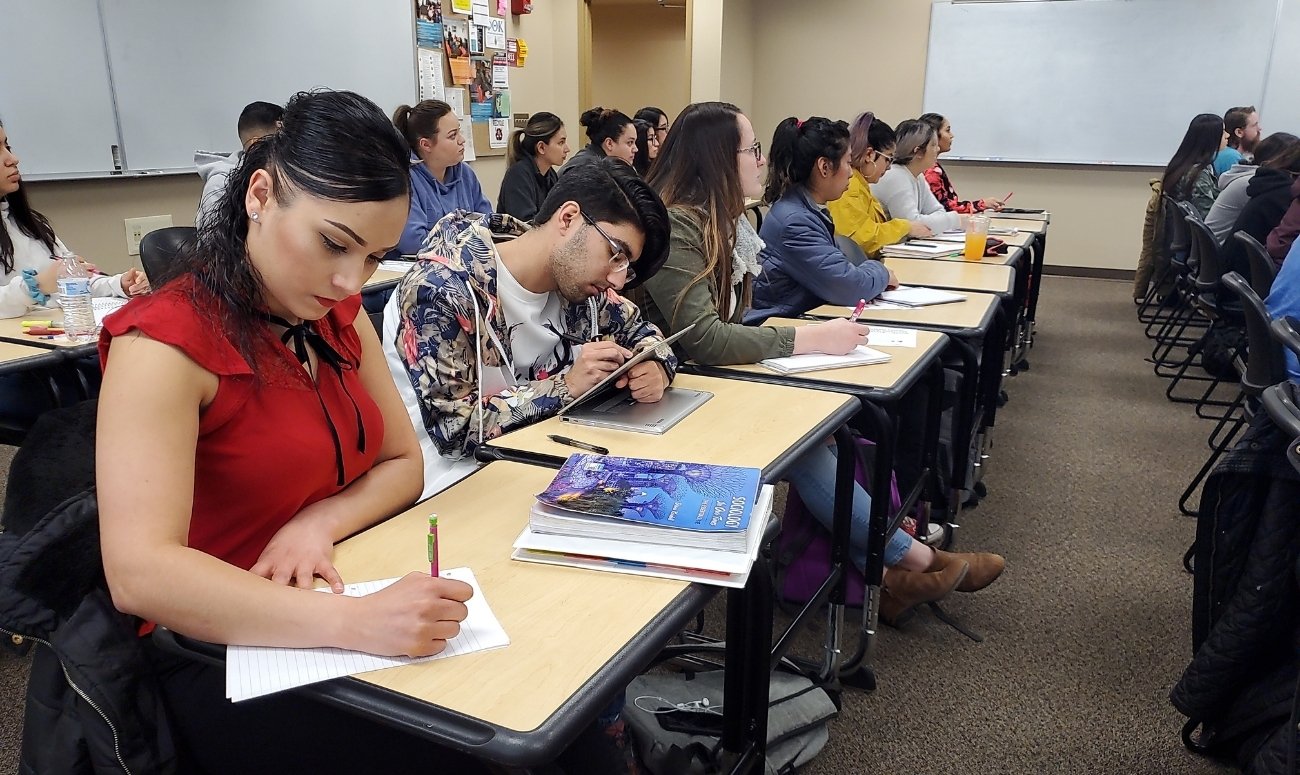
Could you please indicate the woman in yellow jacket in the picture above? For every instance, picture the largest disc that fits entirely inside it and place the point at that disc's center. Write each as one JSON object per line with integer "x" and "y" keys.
{"x": 858, "y": 215}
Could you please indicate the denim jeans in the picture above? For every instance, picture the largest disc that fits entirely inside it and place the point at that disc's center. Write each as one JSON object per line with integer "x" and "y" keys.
{"x": 813, "y": 474}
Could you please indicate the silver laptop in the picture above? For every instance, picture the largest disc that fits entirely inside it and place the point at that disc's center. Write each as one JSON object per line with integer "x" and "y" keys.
{"x": 619, "y": 411}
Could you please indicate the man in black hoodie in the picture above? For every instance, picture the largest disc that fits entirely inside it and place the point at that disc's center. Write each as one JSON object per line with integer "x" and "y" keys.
{"x": 1270, "y": 194}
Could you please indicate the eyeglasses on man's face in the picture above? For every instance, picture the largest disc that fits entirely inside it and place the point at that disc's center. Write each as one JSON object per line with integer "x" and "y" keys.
{"x": 618, "y": 260}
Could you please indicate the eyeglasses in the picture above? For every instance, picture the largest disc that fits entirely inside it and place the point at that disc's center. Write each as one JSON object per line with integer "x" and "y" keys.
{"x": 888, "y": 159}
{"x": 756, "y": 149}
{"x": 619, "y": 261}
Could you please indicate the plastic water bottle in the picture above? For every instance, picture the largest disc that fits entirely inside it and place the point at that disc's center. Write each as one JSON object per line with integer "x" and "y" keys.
{"x": 74, "y": 298}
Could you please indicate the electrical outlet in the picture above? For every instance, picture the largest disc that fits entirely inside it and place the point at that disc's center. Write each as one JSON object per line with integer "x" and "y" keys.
{"x": 136, "y": 228}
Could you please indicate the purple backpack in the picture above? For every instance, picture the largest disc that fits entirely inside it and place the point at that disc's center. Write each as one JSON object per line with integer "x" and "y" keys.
{"x": 803, "y": 550}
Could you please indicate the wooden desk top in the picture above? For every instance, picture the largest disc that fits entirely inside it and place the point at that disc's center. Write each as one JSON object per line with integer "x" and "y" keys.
{"x": 382, "y": 276}
{"x": 880, "y": 375}
{"x": 1031, "y": 226}
{"x": 1006, "y": 259}
{"x": 974, "y": 313}
{"x": 963, "y": 275}
{"x": 11, "y": 329}
{"x": 744, "y": 424}
{"x": 563, "y": 623}
{"x": 1020, "y": 239}
{"x": 12, "y": 352}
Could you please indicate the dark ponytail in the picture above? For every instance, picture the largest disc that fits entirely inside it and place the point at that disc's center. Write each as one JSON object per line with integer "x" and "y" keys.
{"x": 796, "y": 147}
{"x": 419, "y": 122}
{"x": 335, "y": 145}
{"x": 541, "y": 128}
{"x": 603, "y": 124}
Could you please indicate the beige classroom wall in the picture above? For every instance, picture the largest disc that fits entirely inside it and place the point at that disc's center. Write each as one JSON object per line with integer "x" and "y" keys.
{"x": 847, "y": 56}
{"x": 736, "y": 80}
{"x": 638, "y": 57}
{"x": 88, "y": 215}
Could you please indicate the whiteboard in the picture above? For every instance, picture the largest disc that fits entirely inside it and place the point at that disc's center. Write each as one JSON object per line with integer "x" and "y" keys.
{"x": 1094, "y": 81}
{"x": 183, "y": 69}
{"x": 55, "y": 99}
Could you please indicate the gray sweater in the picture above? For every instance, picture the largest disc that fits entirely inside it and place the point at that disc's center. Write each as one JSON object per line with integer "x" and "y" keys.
{"x": 1232, "y": 198}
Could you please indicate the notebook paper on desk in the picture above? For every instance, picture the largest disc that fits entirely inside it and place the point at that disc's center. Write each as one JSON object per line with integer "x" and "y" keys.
{"x": 254, "y": 671}
{"x": 103, "y": 306}
{"x": 797, "y": 364}
{"x": 888, "y": 336}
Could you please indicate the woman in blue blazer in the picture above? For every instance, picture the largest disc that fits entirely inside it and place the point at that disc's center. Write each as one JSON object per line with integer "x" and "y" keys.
{"x": 802, "y": 266}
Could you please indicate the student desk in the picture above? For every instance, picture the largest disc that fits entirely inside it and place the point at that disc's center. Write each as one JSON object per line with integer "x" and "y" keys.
{"x": 765, "y": 426}
{"x": 976, "y": 329}
{"x": 879, "y": 388}
{"x": 576, "y": 636}
{"x": 382, "y": 278}
{"x": 744, "y": 424}
{"x": 376, "y": 290}
{"x": 11, "y": 330}
{"x": 961, "y": 276}
{"x": 1033, "y": 281}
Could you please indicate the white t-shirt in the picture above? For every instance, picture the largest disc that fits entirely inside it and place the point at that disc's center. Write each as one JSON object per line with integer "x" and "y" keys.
{"x": 533, "y": 324}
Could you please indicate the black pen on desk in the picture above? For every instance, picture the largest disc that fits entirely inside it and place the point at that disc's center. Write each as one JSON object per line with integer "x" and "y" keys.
{"x": 568, "y": 442}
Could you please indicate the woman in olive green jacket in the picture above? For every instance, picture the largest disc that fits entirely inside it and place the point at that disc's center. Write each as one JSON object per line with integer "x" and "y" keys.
{"x": 707, "y": 167}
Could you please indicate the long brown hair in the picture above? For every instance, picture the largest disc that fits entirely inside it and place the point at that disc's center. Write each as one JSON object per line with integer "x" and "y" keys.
{"x": 696, "y": 173}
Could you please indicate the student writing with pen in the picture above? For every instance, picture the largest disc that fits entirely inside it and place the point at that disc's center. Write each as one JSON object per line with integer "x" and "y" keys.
{"x": 709, "y": 165}
{"x": 482, "y": 339}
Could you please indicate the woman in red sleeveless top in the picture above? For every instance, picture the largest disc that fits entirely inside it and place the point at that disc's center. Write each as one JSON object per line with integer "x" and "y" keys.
{"x": 247, "y": 421}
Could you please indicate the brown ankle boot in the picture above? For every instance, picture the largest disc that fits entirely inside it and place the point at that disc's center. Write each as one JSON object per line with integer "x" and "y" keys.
{"x": 984, "y": 567}
{"x": 904, "y": 589}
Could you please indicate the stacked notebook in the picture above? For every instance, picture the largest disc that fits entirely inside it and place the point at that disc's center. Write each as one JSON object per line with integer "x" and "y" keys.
{"x": 922, "y": 249}
{"x": 685, "y": 521}
{"x": 957, "y": 235}
{"x": 916, "y": 296}
{"x": 797, "y": 364}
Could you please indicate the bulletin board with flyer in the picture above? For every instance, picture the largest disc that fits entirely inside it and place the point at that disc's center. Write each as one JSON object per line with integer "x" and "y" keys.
{"x": 465, "y": 59}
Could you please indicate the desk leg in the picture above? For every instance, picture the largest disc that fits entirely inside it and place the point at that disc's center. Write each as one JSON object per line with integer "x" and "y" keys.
{"x": 1036, "y": 282}
{"x": 991, "y": 368}
{"x": 1017, "y": 341}
{"x": 841, "y": 535}
{"x": 964, "y": 428}
{"x": 747, "y": 677}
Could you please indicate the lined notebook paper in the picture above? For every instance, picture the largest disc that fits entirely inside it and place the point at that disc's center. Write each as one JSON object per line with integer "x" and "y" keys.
{"x": 105, "y": 306}
{"x": 254, "y": 671}
{"x": 396, "y": 266}
{"x": 888, "y": 336}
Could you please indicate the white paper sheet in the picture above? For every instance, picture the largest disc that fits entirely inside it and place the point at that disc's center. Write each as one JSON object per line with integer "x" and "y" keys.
{"x": 432, "y": 78}
{"x": 254, "y": 671}
{"x": 887, "y": 336}
{"x": 395, "y": 266}
{"x": 498, "y": 132}
{"x": 103, "y": 306}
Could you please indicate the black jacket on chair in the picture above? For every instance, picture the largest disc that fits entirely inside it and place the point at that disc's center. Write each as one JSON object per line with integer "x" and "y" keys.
{"x": 1270, "y": 195}
{"x": 1240, "y": 686}
{"x": 92, "y": 704}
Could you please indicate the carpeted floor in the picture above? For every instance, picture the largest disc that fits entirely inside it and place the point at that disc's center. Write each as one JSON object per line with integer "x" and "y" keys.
{"x": 1088, "y": 628}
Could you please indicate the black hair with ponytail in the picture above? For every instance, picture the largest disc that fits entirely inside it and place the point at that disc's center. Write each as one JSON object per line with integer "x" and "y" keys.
{"x": 603, "y": 124}
{"x": 29, "y": 222}
{"x": 796, "y": 147}
{"x": 541, "y": 127}
{"x": 335, "y": 145}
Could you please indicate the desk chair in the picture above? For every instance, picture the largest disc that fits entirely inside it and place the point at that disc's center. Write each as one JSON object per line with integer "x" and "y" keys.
{"x": 755, "y": 213}
{"x": 1174, "y": 247}
{"x": 1204, "y": 306}
{"x": 1178, "y": 274}
{"x": 1262, "y": 268}
{"x": 159, "y": 247}
{"x": 1264, "y": 365}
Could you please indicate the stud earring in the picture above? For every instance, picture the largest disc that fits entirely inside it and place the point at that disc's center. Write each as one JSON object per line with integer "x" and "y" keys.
{"x": 254, "y": 216}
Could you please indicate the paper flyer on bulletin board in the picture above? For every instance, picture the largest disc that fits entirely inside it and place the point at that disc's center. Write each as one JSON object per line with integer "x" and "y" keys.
{"x": 474, "y": 79}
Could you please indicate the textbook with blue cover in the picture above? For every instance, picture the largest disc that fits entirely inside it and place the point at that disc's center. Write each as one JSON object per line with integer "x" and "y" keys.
{"x": 656, "y": 501}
